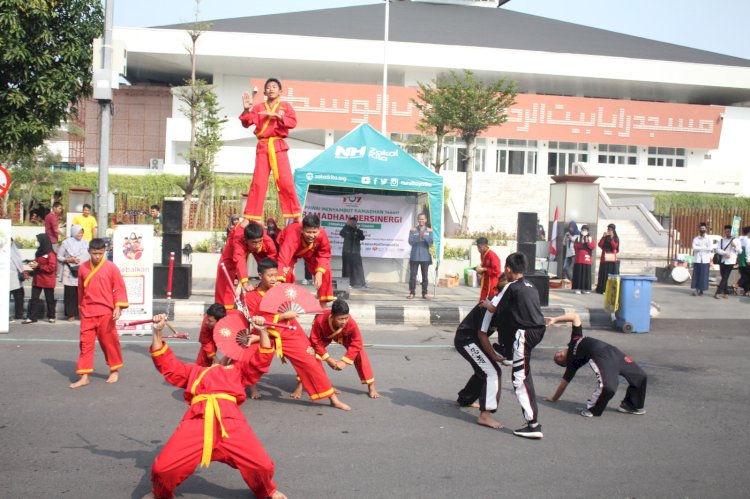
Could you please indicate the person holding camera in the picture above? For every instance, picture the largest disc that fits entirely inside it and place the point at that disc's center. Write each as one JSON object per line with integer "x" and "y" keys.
{"x": 584, "y": 247}
{"x": 72, "y": 253}
{"x": 608, "y": 263}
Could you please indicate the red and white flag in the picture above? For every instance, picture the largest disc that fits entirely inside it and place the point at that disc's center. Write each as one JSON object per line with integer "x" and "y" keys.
{"x": 553, "y": 239}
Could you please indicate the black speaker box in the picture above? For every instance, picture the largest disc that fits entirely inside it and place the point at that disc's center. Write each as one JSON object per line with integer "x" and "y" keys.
{"x": 527, "y": 223}
{"x": 182, "y": 281}
{"x": 529, "y": 251}
{"x": 171, "y": 217}
{"x": 341, "y": 287}
{"x": 540, "y": 280}
{"x": 169, "y": 243}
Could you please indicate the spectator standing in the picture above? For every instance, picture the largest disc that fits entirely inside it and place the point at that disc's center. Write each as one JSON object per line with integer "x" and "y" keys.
{"x": 87, "y": 222}
{"x": 52, "y": 225}
{"x": 420, "y": 239}
{"x": 702, "y": 252}
{"x": 729, "y": 249}
{"x": 744, "y": 282}
{"x": 570, "y": 252}
{"x": 351, "y": 255}
{"x": 273, "y": 231}
{"x": 45, "y": 272}
{"x": 584, "y": 247}
{"x": 72, "y": 253}
{"x": 608, "y": 262}
{"x": 17, "y": 276}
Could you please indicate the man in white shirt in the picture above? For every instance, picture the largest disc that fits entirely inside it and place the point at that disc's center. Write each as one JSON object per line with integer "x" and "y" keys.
{"x": 744, "y": 282}
{"x": 728, "y": 248}
{"x": 702, "y": 251}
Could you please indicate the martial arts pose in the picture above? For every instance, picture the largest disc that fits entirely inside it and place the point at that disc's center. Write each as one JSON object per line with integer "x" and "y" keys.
{"x": 474, "y": 345}
{"x": 292, "y": 344}
{"x": 272, "y": 120}
{"x": 213, "y": 428}
{"x": 607, "y": 362}
{"x": 101, "y": 297}
{"x": 336, "y": 325}
{"x": 207, "y": 352}
{"x": 244, "y": 239}
{"x": 489, "y": 270}
{"x": 308, "y": 241}
{"x": 520, "y": 323}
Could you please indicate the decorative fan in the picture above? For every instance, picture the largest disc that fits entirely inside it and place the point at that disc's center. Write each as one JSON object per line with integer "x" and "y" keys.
{"x": 232, "y": 336}
{"x": 285, "y": 297}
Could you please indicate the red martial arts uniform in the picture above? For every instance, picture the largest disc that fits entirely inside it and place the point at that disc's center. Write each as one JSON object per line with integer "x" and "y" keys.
{"x": 100, "y": 290}
{"x": 323, "y": 333}
{"x": 293, "y": 345}
{"x": 270, "y": 154}
{"x": 208, "y": 347}
{"x": 234, "y": 257}
{"x": 214, "y": 394}
{"x": 317, "y": 256}
{"x": 493, "y": 269}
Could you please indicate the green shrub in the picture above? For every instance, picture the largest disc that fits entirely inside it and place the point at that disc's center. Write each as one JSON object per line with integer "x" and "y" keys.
{"x": 495, "y": 237}
{"x": 455, "y": 253}
{"x": 25, "y": 243}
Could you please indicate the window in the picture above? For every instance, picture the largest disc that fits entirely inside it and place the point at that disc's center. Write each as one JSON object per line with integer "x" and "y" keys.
{"x": 563, "y": 156}
{"x": 615, "y": 154}
{"x": 666, "y": 156}
{"x": 516, "y": 157}
{"x": 455, "y": 153}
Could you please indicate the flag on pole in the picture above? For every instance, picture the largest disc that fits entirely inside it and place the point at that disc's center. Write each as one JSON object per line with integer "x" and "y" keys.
{"x": 553, "y": 239}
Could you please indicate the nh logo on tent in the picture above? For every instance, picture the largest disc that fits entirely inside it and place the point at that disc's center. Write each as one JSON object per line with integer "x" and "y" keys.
{"x": 350, "y": 152}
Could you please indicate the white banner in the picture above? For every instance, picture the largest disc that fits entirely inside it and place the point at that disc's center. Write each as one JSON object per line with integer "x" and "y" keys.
{"x": 385, "y": 220}
{"x": 133, "y": 253}
{"x": 5, "y": 274}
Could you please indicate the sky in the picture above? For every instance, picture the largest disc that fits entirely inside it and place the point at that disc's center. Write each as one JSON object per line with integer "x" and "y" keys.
{"x": 714, "y": 25}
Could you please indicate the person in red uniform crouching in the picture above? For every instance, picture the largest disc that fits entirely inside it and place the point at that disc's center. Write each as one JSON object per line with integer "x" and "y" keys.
{"x": 308, "y": 241}
{"x": 101, "y": 297}
{"x": 292, "y": 344}
{"x": 272, "y": 120}
{"x": 244, "y": 239}
{"x": 336, "y": 325}
{"x": 213, "y": 428}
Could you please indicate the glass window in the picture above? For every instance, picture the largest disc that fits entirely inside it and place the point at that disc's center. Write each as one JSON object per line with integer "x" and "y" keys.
{"x": 618, "y": 154}
{"x": 666, "y": 156}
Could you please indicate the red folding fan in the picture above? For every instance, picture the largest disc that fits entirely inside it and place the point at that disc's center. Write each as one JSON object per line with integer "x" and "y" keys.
{"x": 285, "y": 297}
{"x": 232, "y": 336}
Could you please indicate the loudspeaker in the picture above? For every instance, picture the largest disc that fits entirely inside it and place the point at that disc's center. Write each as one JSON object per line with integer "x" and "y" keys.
{"x": 527, "y": 223}
{"x": 540, "y": 280}
{"x": 171, "y": 242}
{"x": 182, "y": 281}
{"x": 341, "y": 287}
{"x": 171, "y": 217}
{"x": 529, "y": 251}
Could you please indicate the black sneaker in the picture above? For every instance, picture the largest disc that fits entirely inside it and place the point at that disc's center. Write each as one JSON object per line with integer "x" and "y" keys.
{"x": 629, "y": 410}
{"x": 530, "y": 432}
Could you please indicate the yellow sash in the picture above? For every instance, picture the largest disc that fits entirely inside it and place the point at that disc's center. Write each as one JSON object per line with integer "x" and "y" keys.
{"x": 211, "y": 411}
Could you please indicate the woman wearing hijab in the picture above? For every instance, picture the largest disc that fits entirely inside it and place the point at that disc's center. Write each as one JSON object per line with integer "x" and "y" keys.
{"x": 584, "y": 247}
{"x": 570, "y": 252}
{"x": 45, "y": 273}
{"x": 608, "y": 262}
{"x": 73, "y": 252}
{"x": 17, "y": 276}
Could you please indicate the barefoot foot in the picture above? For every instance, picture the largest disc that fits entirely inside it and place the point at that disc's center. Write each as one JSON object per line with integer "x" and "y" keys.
{"x": 113, "y": 377}
{"x": 373, "y": 392}
{"x": 278, "y": 495}
{"x": 335, "y": 402}
{"x": 254, "y": 393}
{"x": 297, "y": 393}
{"x": 81, "y": 382}
{"x": 485, "y": 419}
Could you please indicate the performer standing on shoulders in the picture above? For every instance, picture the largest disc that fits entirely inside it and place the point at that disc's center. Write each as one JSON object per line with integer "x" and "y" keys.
{"x": 272, "y": 120}
{"x": 101, "y": 297}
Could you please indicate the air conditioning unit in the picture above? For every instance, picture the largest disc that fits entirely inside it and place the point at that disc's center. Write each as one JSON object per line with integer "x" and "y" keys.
{"x": 156, "y": 164}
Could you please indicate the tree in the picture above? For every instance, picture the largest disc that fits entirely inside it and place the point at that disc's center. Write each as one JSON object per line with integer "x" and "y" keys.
{"x": 30, "y": 175}
{"x": 202, "y": 108}
{"x": 469, "y": 107}
{"x": 45, "y": 67}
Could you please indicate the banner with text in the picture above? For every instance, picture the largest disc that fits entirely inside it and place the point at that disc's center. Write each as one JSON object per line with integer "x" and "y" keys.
{"x": 385, "y": 220}
{"x": 133, "y": 253}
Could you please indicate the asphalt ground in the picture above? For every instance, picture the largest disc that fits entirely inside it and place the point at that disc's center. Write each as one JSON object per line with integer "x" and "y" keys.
{"x": 100, "y": 440}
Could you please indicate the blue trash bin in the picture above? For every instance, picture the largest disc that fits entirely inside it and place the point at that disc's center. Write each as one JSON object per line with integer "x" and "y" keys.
{"x": 634, "y": 312}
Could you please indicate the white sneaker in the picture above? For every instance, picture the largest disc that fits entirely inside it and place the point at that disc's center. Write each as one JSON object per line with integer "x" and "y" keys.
{"x": 578, "y": 291}
{"x": 587, "y": 414}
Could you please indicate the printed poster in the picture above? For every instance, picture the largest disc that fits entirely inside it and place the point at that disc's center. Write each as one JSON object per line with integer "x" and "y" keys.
{"x": 133, "y": 253}
{"x": 385, "y": 221}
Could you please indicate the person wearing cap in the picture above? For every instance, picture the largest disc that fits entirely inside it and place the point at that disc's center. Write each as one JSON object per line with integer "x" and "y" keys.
{"x": 729, "y": 248}
{"x": 608, "y": 364}
{"x": 702, "y": 253}
{"x": 214, "y": 395}
{"x": 608, "y": 262}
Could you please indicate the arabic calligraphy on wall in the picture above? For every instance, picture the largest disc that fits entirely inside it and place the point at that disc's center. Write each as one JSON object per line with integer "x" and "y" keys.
{"x": 342, "y": 106}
